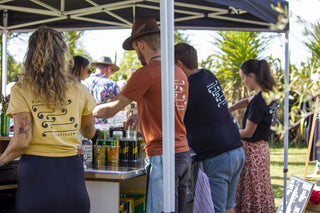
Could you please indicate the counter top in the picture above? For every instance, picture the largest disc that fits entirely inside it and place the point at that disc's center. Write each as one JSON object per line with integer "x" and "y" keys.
{"x": 8, "y": 186}
{"x": 121, "y": 173}
{"x": 5, "y": 138}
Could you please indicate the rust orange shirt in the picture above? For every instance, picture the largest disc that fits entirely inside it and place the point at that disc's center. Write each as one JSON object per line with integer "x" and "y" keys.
{"x": 144, "y": 87}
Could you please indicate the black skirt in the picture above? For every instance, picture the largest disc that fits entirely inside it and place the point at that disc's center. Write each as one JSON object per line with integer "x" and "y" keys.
{"x": 51, "y": 185}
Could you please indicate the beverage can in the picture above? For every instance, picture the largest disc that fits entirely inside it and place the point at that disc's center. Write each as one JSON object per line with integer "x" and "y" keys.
{"x": 86, "y": 145}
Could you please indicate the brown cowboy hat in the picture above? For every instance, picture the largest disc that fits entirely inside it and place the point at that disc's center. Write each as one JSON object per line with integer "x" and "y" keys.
{"x": 106, "y": 61}
{"x": 141, "y": 27}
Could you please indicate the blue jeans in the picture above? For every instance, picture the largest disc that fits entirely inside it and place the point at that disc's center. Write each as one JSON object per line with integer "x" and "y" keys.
{"x": 223, "y": 172}
{"x": 154, "y": 165}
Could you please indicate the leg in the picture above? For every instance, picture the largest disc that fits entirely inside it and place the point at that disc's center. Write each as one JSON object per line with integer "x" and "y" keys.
{"x": 155, "y": 185}
{"x": 217, "y": 173}
{"x": 233, "y": 210}
{"x": 237, "y": 159}
{"x": 182, "y": 168}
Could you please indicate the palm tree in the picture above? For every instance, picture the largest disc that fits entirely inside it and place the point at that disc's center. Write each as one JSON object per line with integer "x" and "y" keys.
{"x": 74, "y": 43}
{"x": 314, "y": 42}
{"x": 232, "y": 48}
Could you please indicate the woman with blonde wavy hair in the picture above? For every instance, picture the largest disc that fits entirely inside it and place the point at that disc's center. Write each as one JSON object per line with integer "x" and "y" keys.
{"x": 48, "y": 113}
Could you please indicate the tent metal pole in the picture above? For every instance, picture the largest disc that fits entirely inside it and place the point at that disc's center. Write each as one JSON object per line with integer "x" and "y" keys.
{"x": 4, "y": 53}
{"x": 286, "y": 119}
{"x": 167, "y": 89}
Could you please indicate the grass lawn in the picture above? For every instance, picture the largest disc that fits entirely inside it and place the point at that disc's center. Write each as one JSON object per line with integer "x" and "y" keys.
{"x": 296, "y": 165}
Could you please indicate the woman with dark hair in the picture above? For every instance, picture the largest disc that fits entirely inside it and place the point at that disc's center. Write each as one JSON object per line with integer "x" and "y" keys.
{"x": 80, "y": 67}
{"x": 49, "y": 107}
{"x": 254, "y": 191}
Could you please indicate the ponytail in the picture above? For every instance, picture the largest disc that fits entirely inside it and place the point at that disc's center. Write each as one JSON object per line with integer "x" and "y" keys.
{"x": 261, "y": 69}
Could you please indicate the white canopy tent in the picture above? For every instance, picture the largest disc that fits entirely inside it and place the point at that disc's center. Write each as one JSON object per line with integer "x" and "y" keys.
{"x": 237, "y": 15}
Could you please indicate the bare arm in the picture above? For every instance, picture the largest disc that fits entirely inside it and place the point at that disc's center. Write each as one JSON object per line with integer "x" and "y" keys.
{"x": 21, "y": 138}
{"x": 111, "y": 108}
{"x": 87, "y": 128}
{"x": 240, "y": 104}
{"x": 249, "y": 130}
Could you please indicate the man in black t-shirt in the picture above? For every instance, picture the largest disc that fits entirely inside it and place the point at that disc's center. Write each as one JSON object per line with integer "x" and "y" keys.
{"x": 211, "y": 132}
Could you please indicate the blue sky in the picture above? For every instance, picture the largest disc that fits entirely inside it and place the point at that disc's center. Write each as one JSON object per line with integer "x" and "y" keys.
{"x": 109, "y": 42}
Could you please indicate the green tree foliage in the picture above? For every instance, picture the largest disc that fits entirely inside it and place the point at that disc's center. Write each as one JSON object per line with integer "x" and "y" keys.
{"x": 179, "y": 37}
{"x": 74, "y": 43}
{"x": 233, "y": 48}
{"x": 304, "y": 85}
{"x": 314, "y": 43}
{"x": 129, "y": 64}
{"x": 13, "y": 67}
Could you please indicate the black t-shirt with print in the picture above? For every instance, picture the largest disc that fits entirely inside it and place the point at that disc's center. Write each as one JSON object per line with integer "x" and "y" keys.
{"x": 261, "y": 114}
{"x": 210, "y": 127}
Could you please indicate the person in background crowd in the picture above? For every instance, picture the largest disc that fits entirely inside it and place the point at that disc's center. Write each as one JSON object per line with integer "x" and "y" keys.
{"x": 144, "y": 87}
{"x": 254, "y": 192}
{"x": 211, "y": 132}
{"x": 48, "y": 113}
{"x": 80, "y": 67}
{"x": 100, "y": 85}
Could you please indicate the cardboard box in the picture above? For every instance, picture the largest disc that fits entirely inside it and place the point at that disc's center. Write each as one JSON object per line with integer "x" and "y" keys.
{"x": 139, "y": 201}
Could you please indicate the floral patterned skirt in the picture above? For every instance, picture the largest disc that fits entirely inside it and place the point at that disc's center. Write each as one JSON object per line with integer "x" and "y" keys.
{"x": 254, "y": 191}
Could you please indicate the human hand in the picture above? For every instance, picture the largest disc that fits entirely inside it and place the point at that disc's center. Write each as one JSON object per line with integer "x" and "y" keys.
{"x": 132, "y": 122}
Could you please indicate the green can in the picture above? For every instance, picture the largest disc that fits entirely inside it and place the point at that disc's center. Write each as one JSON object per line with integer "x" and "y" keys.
{"x": 5, "y": 124}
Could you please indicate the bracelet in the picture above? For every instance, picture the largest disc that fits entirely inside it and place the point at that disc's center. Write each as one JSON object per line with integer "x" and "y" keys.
{"x": 2, "y": 164}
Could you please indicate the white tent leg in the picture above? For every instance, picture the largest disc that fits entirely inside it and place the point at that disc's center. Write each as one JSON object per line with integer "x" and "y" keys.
{"x": 286, "y": 119}
{"x": 167, "y": 89}
{"x": 4, "y": 53}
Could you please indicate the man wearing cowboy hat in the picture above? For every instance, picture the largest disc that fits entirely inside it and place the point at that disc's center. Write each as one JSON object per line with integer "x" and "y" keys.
{"x": 100, "y": 86}
{"x": 144, "y": 87}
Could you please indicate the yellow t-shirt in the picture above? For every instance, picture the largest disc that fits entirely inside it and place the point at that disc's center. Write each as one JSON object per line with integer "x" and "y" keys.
{"x": 54, "y": 130}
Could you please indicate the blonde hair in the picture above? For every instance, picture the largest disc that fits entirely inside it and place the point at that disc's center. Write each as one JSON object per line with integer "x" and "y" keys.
{"x": 45, "y": 67}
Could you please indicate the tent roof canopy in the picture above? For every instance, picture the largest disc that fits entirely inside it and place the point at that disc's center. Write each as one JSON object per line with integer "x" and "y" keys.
{"x": 26, "y": 15}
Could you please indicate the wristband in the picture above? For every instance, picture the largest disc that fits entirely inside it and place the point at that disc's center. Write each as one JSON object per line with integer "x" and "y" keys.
{"x": 2, "y": 164}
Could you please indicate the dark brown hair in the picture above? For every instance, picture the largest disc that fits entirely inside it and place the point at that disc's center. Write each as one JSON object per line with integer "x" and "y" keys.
{"x": 79, "y": 62}
{"x": 186, "y": 54}
{"x": 262, "y": 71}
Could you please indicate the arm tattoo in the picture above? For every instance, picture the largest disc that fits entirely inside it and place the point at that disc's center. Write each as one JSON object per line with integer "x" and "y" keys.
{"x": 24, "y": 127}
{"x": 88, "y": 128}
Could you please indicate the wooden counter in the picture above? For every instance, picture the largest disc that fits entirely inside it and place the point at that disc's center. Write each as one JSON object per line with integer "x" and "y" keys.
{"x": 4, "y": 141}
{"x": 8, "y": 186}
{"x": 5, "y": 138}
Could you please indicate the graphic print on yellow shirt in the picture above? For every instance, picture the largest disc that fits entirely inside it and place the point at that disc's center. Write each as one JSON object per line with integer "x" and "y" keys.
{"x": 55, "y": 130}
{"x": 50, "y": 119}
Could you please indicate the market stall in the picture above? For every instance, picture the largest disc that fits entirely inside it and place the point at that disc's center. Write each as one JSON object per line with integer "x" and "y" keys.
{"x": 249, "y": 15}
{"x": 105, "y": 187}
